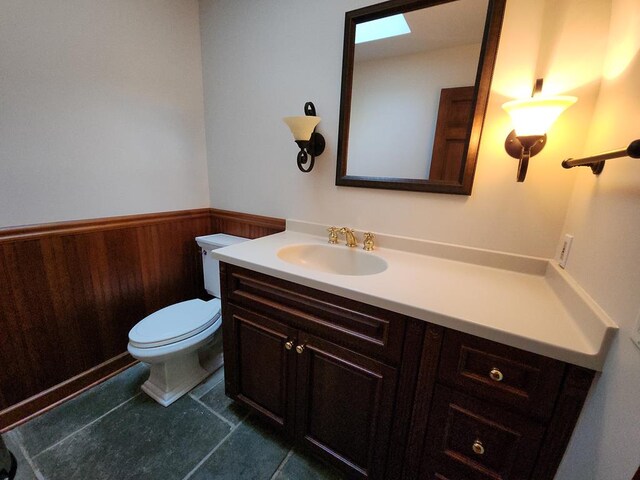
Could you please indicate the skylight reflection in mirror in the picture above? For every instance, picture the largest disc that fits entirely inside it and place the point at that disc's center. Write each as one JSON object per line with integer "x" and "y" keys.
{"x": 386, "y": 27}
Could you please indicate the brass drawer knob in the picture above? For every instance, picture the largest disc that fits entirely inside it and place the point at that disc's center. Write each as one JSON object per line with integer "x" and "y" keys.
{"x": 496, "y": 375}
{"x": 289, "y": 345}
{"x": 477, "y": 447}
{"x": 300, "y": 348}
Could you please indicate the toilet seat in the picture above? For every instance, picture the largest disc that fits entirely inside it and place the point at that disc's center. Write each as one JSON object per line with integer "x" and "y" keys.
{"x": 175, "y": 323}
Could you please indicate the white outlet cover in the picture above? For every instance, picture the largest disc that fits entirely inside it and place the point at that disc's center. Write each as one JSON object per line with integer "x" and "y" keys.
{"x": 566, "y": 248}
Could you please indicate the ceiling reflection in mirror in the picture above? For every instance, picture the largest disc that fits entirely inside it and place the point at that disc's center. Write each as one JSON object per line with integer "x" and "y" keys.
{"x": 412, "y": 96}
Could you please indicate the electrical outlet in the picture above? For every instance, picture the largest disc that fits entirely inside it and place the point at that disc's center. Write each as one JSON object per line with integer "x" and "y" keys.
{"x": 566, "y": 248}
{"x": 635, "y": 335}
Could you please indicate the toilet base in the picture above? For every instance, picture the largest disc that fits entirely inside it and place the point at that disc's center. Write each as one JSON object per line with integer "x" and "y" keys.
{"x": 211, "y": 356}
{"x": 171, "y": 379}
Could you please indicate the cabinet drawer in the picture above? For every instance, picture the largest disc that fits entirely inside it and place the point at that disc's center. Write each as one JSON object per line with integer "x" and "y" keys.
{"x": 479, "y": 439}
{"x": 363, "y": 328}
{"x": 435, "y": 471}
{"x": 524, "y": 381}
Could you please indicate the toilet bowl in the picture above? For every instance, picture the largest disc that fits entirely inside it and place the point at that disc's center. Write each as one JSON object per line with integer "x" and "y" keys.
{"x": 169, "y": 340}
{"x": 172, "y": 339}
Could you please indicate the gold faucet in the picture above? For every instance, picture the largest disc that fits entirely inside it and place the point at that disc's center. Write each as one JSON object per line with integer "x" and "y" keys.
{"x": 349, "y": 237}
{"x": 333, "y": 234}
{"x": 368, "y": 241}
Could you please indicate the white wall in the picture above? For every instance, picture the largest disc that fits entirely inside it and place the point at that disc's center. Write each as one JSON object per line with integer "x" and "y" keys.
{"x": 101, "y": 109}
{"x": 604, "y": 217}
{"x": 394, "y": 108}
{"x": 263, "y": 59}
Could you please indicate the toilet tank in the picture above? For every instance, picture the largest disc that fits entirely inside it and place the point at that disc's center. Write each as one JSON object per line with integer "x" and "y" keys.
{"x": 211, "y": 266}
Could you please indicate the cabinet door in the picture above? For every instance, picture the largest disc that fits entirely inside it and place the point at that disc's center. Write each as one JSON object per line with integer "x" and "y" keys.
{"x": 344, "y": 406}
{"x": 259, "y": 368}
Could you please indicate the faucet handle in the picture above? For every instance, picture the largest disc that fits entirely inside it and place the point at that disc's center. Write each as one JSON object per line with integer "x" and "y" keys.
{"x": 368, "y": 241}
{"x": 333, "y": 234}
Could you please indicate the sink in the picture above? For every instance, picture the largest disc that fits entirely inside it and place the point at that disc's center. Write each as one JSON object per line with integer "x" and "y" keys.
{"x": 340, "y": 260}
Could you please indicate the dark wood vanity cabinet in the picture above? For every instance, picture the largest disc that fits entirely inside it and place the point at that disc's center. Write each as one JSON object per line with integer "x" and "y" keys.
{"x": 385, "y": 396}
{"x": 498, "y": 412}
{"x": 326, "y": 373}
{"x": 335, "y": 401}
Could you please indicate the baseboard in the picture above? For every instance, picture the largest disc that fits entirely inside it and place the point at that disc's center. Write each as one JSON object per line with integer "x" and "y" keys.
{"x": 54, "y": 396}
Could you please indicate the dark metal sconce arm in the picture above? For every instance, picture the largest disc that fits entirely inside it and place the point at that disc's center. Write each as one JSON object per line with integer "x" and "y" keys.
{"x": 523, "y": 165}
{"x": 312, "y": 147}
{"x": 303, "y": 158}
{"x": 309, "y": 109}
{"x": 523, "y": 148}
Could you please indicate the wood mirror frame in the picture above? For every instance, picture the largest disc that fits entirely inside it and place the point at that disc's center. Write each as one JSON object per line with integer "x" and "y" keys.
{"x": 463, "y": 184}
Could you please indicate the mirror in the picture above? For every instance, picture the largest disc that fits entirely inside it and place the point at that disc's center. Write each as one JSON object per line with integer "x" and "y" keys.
{"x": 413, "y": 104}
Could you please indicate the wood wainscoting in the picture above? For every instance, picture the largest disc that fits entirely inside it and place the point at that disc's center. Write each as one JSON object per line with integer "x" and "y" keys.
{"x": 244, "y": 224}
{"x": 71, "y": 291}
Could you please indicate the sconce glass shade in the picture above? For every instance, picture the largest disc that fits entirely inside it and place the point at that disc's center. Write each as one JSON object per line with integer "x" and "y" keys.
{"x": 534, "y": 116}
{"x": 302, "y": 127}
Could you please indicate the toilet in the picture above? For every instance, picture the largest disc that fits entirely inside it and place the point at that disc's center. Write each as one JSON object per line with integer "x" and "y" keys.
{"x": 172, "y": 339}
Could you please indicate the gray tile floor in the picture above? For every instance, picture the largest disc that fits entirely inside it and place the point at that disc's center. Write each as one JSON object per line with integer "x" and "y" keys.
{"x": 114, "y": 431}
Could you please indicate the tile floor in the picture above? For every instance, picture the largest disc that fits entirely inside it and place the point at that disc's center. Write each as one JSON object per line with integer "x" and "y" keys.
{"x": 114, "y": 431}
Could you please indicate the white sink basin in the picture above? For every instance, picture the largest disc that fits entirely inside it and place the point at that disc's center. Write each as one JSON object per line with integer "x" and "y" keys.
{"x": 340, "y": 260}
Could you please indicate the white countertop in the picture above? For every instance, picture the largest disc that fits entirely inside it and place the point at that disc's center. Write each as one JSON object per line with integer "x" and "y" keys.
{"x": 529, "y": 303}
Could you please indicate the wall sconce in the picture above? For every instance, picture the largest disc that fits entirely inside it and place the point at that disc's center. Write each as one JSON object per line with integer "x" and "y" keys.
{"x": 311, "y": 143}
{"x": 531, "y": 120}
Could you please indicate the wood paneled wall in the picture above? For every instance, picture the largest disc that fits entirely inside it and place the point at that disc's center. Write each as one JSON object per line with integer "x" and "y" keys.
{"x": 244, "y": 224}
{"x": 71, "y": 291}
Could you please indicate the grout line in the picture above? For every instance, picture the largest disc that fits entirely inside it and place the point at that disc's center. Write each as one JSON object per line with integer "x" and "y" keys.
{"x": 208, "y": 455}
{"x": 17, "y": 439}
{"x": 282, "y": 464}
{"x": 213, "y": 411}
{"x": 209, "y": 389}
{"x": 85, "y": 426}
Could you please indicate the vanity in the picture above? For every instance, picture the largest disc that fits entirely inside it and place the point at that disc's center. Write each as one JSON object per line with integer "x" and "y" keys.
{"x": 430, "y": 361}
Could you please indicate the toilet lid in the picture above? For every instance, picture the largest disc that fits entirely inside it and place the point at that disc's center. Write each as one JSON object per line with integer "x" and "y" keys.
{"x": 174, "y": 323}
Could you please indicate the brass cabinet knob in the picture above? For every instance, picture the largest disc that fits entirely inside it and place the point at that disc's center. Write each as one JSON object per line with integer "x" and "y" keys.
{"x": 496, "y": 375}
{"x": 477, "y": 447}
{"x": 300, "y": 348}
{"x": 289, "y": 345}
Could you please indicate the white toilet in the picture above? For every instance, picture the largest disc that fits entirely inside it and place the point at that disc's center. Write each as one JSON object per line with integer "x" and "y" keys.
{"x": 171, "y": 339}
